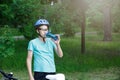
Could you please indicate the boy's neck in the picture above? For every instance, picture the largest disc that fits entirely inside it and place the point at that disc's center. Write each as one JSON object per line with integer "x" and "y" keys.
{"x": 42, "y": 39}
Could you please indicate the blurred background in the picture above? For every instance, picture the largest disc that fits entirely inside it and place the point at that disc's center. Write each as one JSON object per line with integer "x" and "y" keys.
{"x": 89, "y": 31}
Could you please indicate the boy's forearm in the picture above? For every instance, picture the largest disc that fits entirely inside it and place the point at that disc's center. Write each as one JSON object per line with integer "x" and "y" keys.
{"x": 59, "y": 51}
{"x": 29, "y": 69}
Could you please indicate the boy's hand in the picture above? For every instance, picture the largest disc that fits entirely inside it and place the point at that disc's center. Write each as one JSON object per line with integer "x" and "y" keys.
{"x": 58, "y": 40}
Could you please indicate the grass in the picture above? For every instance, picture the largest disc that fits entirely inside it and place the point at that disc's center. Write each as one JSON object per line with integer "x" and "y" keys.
{"x": 98, "y": 55}
{"x": 97, "y": 74}
{"x": 101, "y": 60}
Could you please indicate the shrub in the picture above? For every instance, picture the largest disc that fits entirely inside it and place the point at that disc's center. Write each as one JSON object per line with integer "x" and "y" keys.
{"x": 29, "y": 32}
{"x": 6, "y": 43}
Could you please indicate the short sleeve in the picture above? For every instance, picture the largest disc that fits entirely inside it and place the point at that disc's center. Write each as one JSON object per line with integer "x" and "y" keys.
{"x": 30, "y": 46}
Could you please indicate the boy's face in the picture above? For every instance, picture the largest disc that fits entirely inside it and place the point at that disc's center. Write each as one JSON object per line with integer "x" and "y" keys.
{"x": 42, "y": 30}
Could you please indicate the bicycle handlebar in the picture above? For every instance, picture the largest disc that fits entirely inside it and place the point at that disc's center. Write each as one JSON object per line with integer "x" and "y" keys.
{"x": 8, "y": 76}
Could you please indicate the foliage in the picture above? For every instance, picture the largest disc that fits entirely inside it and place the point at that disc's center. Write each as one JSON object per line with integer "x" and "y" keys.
{"x": 64, "y": 18}
{"x": 96, "y": 17}
{"x": 23, "y": 10}
{"x": 24, "y": 13}
{"x": 5, "y": 9}
{"x": 6, "y": 42}
{"x": 61, "y": 19}
{"x": 56, "y": 15}
{"x": 116, "y": 19}
{"x": 29, "y": 32}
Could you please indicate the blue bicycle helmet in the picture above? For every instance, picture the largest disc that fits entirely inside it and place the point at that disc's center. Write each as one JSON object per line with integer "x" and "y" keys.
{"x": 41, "y": 22}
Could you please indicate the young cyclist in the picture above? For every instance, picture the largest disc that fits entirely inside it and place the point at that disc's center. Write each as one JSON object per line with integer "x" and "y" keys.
{"x": 42, "y": 49}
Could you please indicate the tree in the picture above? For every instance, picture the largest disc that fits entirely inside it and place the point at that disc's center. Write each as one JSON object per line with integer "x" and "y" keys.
{"x": 105, "y": 7}
{"x": 82, "y": 6}
{"x": 107, "y": 23}
{"x": 5, "y": 9}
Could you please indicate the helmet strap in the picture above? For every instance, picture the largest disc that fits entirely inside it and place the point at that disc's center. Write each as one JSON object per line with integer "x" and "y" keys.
{"x": 41, "y": 36}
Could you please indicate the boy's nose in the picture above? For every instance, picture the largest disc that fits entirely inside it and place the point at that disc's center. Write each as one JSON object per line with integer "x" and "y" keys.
{"x": 46, "y": 32}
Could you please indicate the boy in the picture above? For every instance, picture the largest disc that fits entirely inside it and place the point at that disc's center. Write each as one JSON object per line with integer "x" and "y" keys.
{"x": 42, "y": 49}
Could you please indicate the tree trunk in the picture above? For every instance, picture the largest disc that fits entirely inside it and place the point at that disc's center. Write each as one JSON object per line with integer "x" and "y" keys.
{"x": 83, "y": 33}
{"x": 107, "y": 24}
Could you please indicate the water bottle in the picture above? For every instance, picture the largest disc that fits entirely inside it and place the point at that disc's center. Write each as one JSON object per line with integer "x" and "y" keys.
{"x": 49, "y": 34}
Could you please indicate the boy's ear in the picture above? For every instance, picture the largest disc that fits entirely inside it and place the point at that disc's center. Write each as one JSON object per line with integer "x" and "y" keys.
{"x": 37, "y": 31}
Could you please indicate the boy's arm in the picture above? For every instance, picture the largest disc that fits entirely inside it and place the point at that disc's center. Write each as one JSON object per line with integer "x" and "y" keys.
{"x": 58, "y": 47}
{"x": 29, "y": 64}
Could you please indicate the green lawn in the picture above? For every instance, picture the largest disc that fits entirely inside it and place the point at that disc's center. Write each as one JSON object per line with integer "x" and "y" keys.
{"x": 97, "y": 74}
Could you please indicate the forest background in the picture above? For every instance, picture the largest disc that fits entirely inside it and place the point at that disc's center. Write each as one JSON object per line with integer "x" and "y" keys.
{"x": 89, "y": 31}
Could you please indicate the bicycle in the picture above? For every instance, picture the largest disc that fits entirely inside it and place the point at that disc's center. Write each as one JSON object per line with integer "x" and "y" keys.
{"x": 7, "y": 76}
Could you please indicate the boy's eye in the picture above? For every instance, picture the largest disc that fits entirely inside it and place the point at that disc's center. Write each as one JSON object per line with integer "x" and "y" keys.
{"x": 42, "y": 29}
